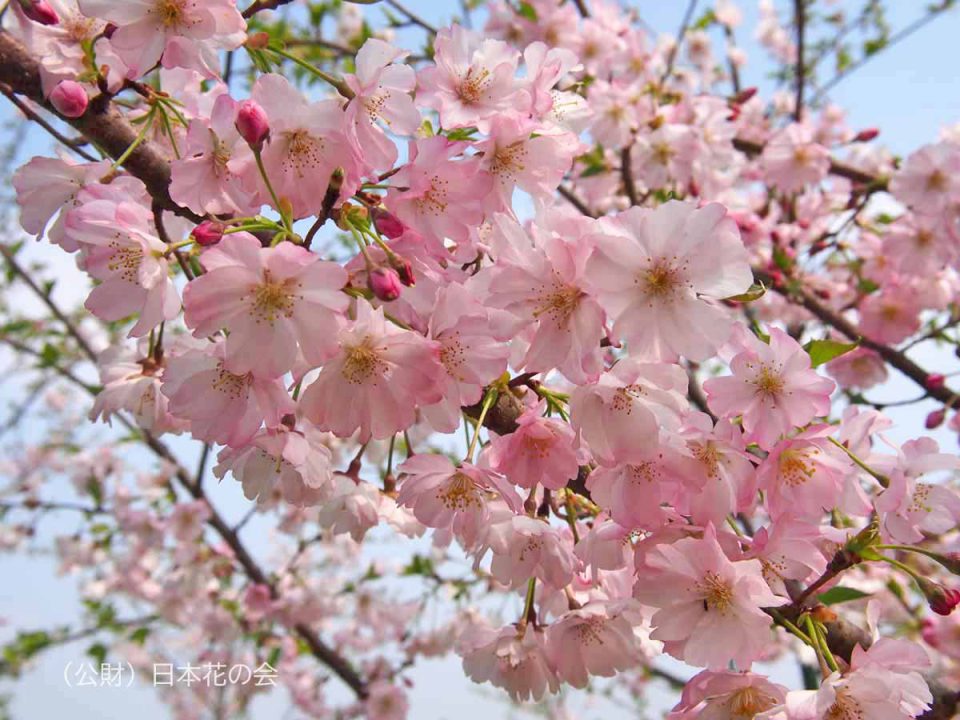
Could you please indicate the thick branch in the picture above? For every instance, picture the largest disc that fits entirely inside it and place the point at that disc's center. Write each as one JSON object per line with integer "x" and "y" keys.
{"x": 102, "y": 124}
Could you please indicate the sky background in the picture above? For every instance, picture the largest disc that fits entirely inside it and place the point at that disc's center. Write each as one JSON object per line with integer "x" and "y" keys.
{"x": 909, "y": 92}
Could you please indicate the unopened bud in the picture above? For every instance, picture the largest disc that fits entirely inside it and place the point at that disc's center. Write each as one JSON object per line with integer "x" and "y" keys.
{"x": 942, "y": 600}
{"x": 935, "y": 381}
{"x": 40, "y": 11}
{"x": 208, "y": 233}
{"x": 935, "y": 419}
{"x": 866, "y": 135}
{"x": 404, "y": 270}
{"x": 70, "y": 99}
{"x": 384, "y": 283}
{"x": 744, "y": 95}
{"x": 257, "y": 40}
{"x": 387, "y": 223}
{"x": 252, "y": 123}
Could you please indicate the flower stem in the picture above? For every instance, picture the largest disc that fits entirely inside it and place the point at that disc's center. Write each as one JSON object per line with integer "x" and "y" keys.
{"x": 488, "y": 401}
{"x": 879, "y": 477}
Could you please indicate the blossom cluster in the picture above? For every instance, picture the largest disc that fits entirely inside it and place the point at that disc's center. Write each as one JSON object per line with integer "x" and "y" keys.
{"x": 633, "y": 510}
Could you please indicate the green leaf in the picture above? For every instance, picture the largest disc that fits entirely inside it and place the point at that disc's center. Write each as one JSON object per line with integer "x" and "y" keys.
{"x": 98, "y": 652}
{"x": 756, "y": 291}
{"x": 837, "y": 595}
{"x": 823, "y": 351}
{"x": 527, "y": 10}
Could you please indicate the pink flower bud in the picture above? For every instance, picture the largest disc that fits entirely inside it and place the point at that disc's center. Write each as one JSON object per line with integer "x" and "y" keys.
{"x": 252, "y": 123}
{"x": 866, "y": 135}
{"x": 744, "y": 95}
{"x": 384, "y": 283}
{"x": 40, "y": 11}
{"x": 935, "y": 419}
{"x": 404, "y": 270}
{"x": 942, "y": 600}
{"x": 208, "y": 233}
{"x": 935, "y": 381}
{"x": 387, "y": 223}
{"x": 70, "y": 99}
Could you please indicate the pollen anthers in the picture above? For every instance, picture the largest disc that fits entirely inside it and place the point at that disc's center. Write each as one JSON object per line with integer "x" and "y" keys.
{"x": 510, "y": 159}
{"x": 226, "y": 382}
{"x": 918, "y": 501}
{"x": 452, "y": 356}
{"x": 272, "y": 300}
{"x": 663, "y": 279}
{"x": 707, "y": 454}
{"x": 434, "y": 200}
{"x": 473, "y": 85}
{"x": 845, "y": 707}
{"x": 173, "y": 13}
{"x": 590, "y": 631}
{"x": 748, "y": 702}
{"x": 363, "y": 362}
{"x": 125, "y": 260}
{"x": 624, "y": 397}
{"x": 304, "y": 151}
{"x": 796, "y": 465}
{"x": 460, "y": 493}
{"x": 557, "y": 301}
{"x": 716, "y": 592}
{"x": 768, "y": 381}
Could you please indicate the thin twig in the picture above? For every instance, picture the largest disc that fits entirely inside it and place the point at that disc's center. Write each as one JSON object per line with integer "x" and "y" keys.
{"x": 800, "y": 19}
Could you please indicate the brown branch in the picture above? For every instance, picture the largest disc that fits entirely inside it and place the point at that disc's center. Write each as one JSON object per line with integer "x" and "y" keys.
{"x": 582, "y": 8}
{"x": 800, "y": 19}
{"x": 681, "y": 34}
{"x": 412, "y": 17}
{"x": 626, "y": 172}
{"x": 30, "y": 114}
{"x": 261, "y": 5}
{"x": 102, "y": 124}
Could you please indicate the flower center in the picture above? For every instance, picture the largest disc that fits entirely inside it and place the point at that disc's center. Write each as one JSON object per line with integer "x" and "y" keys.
{"x": 559, "y": 302}
{"x": 662, "y": 279}
{"x": 459, "y": 494}
{"x": 473, "y": 85}
{"x": 271, "y": 300}
{"x": 796, "y": 466}
{"x": 172, "y": 12}
{"x": 768, "y": 382}
{"x": 363, "y": 362}
{"x": 662, "y": 153}
{"x": 509, "y": 160}
{"x": 229, "y": 384}
{"x": 748, "y": 702}
{"x": 304, "y": 151}
{"x": 936, "y": 181}
{"x": 844, "y": 707}
{"x": 716, "y": 592}
{"x": 434, "y": 200}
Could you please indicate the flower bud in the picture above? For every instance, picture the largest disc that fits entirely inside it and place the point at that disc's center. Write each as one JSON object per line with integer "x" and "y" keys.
{"x": 384, "y": 283}
{"x": 208, "y": 233}
{"x": 744, "y": 95}
{"x": 387, "y": 223}
{"x": 942, "y": 600}
{"x": 40, "y": 11}
{"x": 866, "y": 135}
{"x": 404, "y": 270}
{"x": 252, "y": 124}
{"x": 935, "y": 419}
{"x": 935, "y": 381}
{"x": 257, "y": 40}
{"x": 70, "y": 99}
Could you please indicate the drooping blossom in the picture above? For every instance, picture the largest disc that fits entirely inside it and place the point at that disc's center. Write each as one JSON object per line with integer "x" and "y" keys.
{"x": 539, "y": 452}
{"x": 727, "y": 695}
{"x": 621, "y": 416}
{"x": 442, "y": 495}
{"x": 221, "y": 406}
{"x": 509, "y": 658}
{"x": 525, "y": 547}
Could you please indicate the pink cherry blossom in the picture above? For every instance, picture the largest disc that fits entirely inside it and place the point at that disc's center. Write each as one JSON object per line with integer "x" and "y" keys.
{"x": 292, "y": 464}
{"x": 525, "y": 547}
{"x": 792, "y": 159}
{"x": 472, "y": 80}
{"x": 708, "y": 608}
{"x": 659, "y": 273}
{"x": 539, "y": 452}
{"x": 376, "y": 382}
{"x": 382, "y": 90}
{"x": 727, "y": 695}
{"x": 442, "y": 495}
{"x": 927, "y": 181}
{"x": 509, "y": 658}
{"x": 594, "y": 640}
{"x": 621, "y": 416}
{"x": 271, "y": 300}
{"x": 772, "y": 387}
{"x": 176, "y": 33}
{"x": 221, "y": 406}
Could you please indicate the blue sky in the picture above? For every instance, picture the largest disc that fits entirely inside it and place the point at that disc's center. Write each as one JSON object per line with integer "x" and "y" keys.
{"x": 909, "y": 93}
